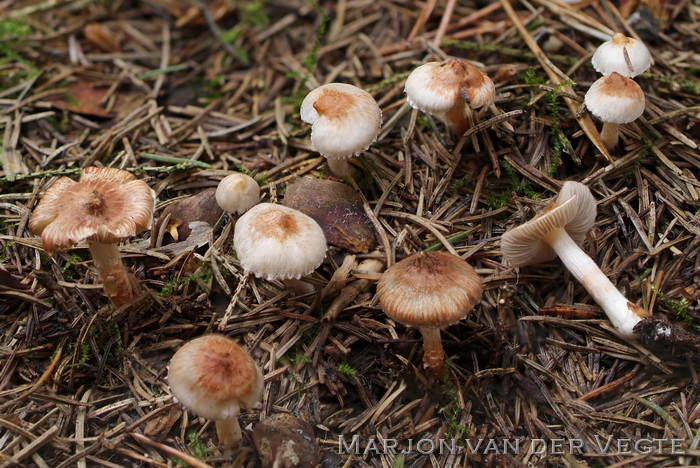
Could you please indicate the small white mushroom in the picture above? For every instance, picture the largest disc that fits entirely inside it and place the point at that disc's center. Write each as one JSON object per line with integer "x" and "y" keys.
{"x": 615, "y": 100}
{"x": 276, "y": 242}
{"x": 237, "y": 193}
{"x": 625, "y": 55}
{"x": 444, "y": 89}
{"x": 345, "y": 121}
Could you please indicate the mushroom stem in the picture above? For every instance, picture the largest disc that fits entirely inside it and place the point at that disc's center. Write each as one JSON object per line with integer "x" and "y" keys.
{"x": 609, "y": 135}
{"x": 299, "y": 287}
{"x": 228, "y": 431}
{"x": 456, "y": 120}
{"x": 434, "y": 355}
{"x": 340, "y": 167}
{"x": 115, "y": 278}
{"x": 622, "y": 313}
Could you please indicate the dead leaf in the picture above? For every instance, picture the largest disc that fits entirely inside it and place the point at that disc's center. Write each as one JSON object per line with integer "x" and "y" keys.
{"x": 81, "y": 97}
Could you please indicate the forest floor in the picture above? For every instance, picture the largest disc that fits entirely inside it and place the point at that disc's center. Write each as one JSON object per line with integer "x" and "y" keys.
{"x": 181, "y": 99}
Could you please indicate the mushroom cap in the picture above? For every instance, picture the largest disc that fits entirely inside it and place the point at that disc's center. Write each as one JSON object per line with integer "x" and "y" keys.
{"x": 615, "y": 99}
{"x": 345, "y": 119}
{"x": 106, "y": 205}
{"x": 610, "y": 56}
{"x": 213, "y": 377}
{"x": 574, "y": 210}
{"x": 435, "y": 87}
{"x": 429, "y": 290}
{"x": 276, "y": 242}
{"x": 237, "y": 193}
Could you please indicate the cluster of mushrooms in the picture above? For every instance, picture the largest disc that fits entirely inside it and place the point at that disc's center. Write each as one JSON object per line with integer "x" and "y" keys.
{"x": 212, "y": 375}
{"x": 616, "y": 98}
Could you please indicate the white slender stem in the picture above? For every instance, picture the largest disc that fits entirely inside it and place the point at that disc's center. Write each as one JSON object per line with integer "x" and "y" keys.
{"x": 115, "y": 279}
{"x": 622, "y": 313}
{"x": 340, "y": 167}
{"x": 610, "y": 135}
{"x": 228, "y": 431}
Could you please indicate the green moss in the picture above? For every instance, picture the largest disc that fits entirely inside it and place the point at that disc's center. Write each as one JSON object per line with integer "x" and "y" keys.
{"x": 202, "y": 276}
{"x": 310, "y": 59}
{"x": 346, "y": 369}
{"x": 679, "y": 308}
{"x": 196, "y": 445}
{"x": 451, "y": 412}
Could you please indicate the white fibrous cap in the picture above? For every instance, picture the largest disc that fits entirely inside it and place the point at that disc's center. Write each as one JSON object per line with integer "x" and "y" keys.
{"x": 345, "y": 119}
{"x": 610, "y": 56}
{"x": 615, "y": 99}
{"x": 276, "y": 242}
{"x": 435, "y": 87}
{"x": 214, "y": 377}
{"x": 237, "y": 193}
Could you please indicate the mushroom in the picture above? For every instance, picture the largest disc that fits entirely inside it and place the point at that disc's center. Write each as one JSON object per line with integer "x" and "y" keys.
{"x": 105, "y": 207}
{"x": 214, "y": 377}
{"x": 276, "y": 242}
{"x": 345, "y": 121}
{"x": 558, "y": 230}
{"x": 625, "y": 55}
{"x": 429, "y": 290}
{"x": 237, "y": 193}
{"x": 445, "y": 89}
{"x": 614, "y": 99}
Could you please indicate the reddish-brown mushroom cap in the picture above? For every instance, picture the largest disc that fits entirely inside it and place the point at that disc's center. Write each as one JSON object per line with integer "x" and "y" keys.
{"x": 213, "y": 377}
{"x": 429, "y": 289}
{"x": 106, "y": 205}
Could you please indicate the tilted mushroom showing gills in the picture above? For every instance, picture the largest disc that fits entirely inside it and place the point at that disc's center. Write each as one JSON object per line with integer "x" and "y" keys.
{"x": 557, "y": 231}
{"x": 625, "y": 55}
{"x": 430, "y": 290}
{"x": 344, "y": 119}
{"x": 105, "y": 207}
{"x": 443, "y": 89}
{"x": 214, "y": 377}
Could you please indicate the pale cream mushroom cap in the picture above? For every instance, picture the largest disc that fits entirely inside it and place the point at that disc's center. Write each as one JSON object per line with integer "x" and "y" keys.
{"x": 214, "y": 377}
{"x": 345, "y": 119}
{"x": 276, "y": 242}
{"x": 615, "y": 99}
{"x": 574, "y": 210}
{"x": 435, "y": 87}
{"x": 237, "y": 193}
{"x": 609, "y": 57}
{"x": 106, "y": 205}
{"x": 429, "y": 289}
